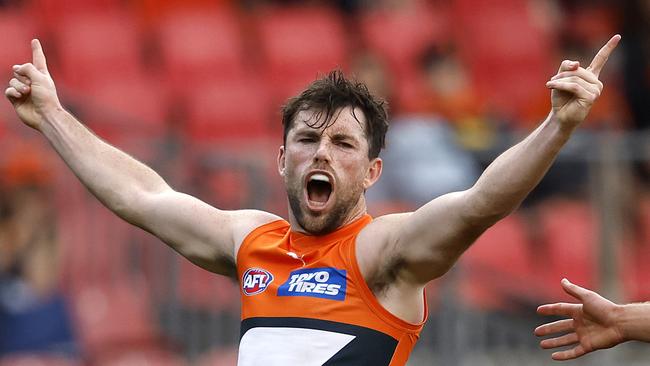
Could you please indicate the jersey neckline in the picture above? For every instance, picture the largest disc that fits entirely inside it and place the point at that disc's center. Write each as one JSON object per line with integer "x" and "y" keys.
{"x": 302, "y": 241}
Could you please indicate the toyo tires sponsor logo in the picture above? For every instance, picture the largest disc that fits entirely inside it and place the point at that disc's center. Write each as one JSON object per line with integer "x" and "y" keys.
{"x": 255, "y": 281}
{"x": 326, "y": 283}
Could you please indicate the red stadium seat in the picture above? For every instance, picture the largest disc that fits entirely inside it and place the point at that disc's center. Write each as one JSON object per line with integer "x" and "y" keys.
{"x": 4, "y": 130}
{"x": 99, "y": 46}
{"x": 201, "y": 43}
{"x": 94, "y": 242}
{"x": 593, "y": 24}
{"x": 401, "y": 36}
{"x": 570, "y": 236}
{"x": 229, "y": 187}
{"x": 115, "y": 318}
{"x": 633, "y": 270}
{"x": 509, "y": 53}
{"x": 232, "y": 111}
{"x": 635, "y": 257}
{"x": 200, "y": 289}
{"x": 499, "y": 268}
{"x": 49, "y": 12}
{"x": 17, "y": 29}
{"x": 298, "y": 44}
{"x": 135, "y": 107}
{"x": 73, "y": 231}
{"x": 154, "y": 10}
{"x": 409, "y": 91}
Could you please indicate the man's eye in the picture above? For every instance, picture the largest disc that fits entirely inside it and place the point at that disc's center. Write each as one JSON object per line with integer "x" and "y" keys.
{"x": 346, "y": 145}
{"x": 306, "y": 140}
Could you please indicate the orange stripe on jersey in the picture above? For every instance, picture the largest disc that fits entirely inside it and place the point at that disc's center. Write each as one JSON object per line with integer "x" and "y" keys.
{"x": 294, "y": 284}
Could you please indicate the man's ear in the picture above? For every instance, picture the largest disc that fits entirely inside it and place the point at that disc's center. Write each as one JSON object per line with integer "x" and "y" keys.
{"x": 281, "y": 164}
{"x": 373, "y": 173}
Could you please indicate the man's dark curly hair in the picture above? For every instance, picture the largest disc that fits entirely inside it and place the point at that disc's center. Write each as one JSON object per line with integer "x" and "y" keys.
{"x": 326, "y": 96}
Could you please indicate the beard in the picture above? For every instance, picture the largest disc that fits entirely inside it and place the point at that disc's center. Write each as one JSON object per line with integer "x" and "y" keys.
{"x": 323, "y": 222}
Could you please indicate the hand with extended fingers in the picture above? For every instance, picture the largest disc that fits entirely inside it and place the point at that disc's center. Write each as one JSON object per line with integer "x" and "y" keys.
{"x": 31, "y": 90}
{"x": 575, "y": 89}
{"x": 592, "y": 324}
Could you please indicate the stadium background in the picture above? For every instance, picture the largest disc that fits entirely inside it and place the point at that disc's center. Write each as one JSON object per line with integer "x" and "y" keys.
{"x": 193, "y": 88}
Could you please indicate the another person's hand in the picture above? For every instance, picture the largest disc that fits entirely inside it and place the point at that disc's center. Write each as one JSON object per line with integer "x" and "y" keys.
{"x": 575, "y": 89}
{"x": 592, "y": 324}
{"x": 31, "y": 90}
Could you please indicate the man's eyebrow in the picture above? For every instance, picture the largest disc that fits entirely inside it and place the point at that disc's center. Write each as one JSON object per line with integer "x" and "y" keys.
{"x": 307, "y": 132}
{"x": 343, "y": 136}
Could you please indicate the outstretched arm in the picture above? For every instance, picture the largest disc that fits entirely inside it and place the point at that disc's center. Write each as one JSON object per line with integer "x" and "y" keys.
{"x": 205, "y": 235}
{"x": 594, "y": 323}
{"x": 426, "y": 243}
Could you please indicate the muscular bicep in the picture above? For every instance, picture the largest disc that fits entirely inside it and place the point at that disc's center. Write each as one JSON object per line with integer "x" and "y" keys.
{"x": 207, "y": 236}
{"x": 423, "y": 245}
{"x": 434, "y": 236}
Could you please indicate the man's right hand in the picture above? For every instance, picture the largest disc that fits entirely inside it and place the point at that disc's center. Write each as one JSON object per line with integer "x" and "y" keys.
{"x": 592, "y": 324}
{"x": 32, "y": 91}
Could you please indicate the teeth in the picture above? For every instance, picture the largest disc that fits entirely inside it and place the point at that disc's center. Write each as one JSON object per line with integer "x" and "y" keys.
{"x": 320, "y": 177}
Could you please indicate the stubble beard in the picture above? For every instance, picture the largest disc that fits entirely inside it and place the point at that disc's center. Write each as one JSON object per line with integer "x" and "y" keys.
{"x": 325, "y": 222}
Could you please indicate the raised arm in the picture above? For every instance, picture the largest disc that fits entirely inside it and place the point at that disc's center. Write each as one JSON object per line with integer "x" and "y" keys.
{"x": 594, "y": 323}
{"x": 205, "y": 235}
{"x": 423, "y": 245}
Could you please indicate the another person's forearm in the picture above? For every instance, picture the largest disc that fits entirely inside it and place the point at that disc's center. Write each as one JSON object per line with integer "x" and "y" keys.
{"x": 634, "y": 321}
{"x": 114, "y": 177}
{"x": 509, "y": 179}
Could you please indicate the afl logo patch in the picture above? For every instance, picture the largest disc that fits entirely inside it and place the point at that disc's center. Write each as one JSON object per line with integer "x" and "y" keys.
{"x": 255, "y": 281}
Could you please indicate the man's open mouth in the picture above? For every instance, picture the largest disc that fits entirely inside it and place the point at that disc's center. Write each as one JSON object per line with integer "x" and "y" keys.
{"x": 319, "y": 189}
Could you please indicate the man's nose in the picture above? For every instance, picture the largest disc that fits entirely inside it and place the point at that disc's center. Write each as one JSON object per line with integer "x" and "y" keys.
{"x": 323, "y": 152}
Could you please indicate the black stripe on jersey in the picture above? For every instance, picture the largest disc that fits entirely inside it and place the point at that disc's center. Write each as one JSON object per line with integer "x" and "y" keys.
{"x": 369, "y": 347}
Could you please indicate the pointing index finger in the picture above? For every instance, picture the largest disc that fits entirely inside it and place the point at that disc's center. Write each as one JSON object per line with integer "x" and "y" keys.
{"x": 603, "y": 54}
{"x": 38, "y": 57}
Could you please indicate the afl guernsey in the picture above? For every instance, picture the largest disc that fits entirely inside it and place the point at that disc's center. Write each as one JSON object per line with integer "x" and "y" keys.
{"x": 305, "y": 302}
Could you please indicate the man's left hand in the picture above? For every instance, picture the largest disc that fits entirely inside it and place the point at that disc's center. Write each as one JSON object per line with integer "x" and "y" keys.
{"x": 575, "y": 89}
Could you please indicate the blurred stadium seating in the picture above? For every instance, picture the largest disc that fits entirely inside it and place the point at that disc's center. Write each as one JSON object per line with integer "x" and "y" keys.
{"x": 117, "y": 327}
{"x": 98, "y": 46}
{"x": 199, "y": 44}
{"x": 174, "y": 82}
{"x": 20, "y": 29}
{"x": 499, "y": 268}
{"x": 220, "y": 111}
{"x": 297, "y": 45}
{"x": 501, "y": 55}
{"x": 401, "y": 36}
{"x": 635, "y": 256}
{"x": 570, "y": 239}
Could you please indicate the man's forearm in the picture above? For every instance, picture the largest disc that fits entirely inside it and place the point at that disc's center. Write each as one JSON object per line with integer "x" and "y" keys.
{"x": 634, "y": 321}
{"x": 509, "y": 179}
{"x": 114, "y": 177}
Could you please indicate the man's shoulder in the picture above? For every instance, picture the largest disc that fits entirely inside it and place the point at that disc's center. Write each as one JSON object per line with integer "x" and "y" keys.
{"x": 245, "y": 222}
{"x": 383, "y": 225}
{"x": 253, "y": 217}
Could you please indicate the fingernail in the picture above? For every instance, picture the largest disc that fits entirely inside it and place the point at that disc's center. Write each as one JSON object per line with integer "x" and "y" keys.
{"x": 16, "y": 67}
